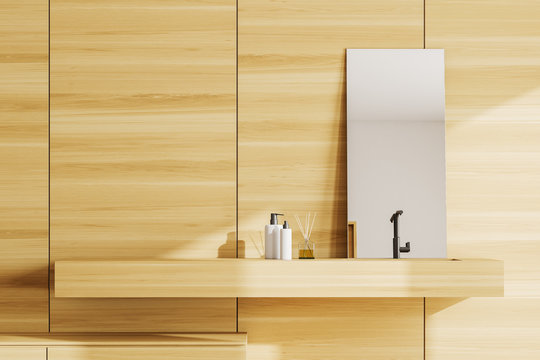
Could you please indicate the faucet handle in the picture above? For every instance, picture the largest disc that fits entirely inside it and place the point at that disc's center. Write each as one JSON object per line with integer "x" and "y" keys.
{"x": 405, "y": 248}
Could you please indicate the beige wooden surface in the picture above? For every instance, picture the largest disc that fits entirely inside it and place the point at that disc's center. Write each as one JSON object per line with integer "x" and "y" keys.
{"x": 122, "y": 339}
{"x": 23, "y": 353}
{"x": 136, "y": 315}
{"x": 482, "y": 328}
{"x": 493, "y": 165}
{"x": 116, "y": 346}
{"x": 291, "y": 108}
{"x": 333, "y": 328}
{"x": 23, "y": 165}
{"x": 145, "y": 353}
{"x": 110, "y": 119}
{"x": 142, "y": 149}
{"x": 269, "y": 278}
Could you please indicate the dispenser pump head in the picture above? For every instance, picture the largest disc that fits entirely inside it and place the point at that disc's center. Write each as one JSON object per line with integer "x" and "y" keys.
{"x": 285, "y": 225}
{"x": 274, "y": 219}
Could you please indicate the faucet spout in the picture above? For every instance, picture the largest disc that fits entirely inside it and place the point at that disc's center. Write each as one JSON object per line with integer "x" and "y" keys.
{"x": 398, "y": 249}
{"x": 396, "y": 215}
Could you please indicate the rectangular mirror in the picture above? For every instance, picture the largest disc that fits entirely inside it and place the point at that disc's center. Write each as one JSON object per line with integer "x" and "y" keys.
{"x": 396, "y": 151}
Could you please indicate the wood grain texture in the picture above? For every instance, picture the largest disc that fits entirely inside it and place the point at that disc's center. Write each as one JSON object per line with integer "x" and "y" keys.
{"x": 115, "y": 346}
{"x": 318, "y": 329}
{"x": 493, "y": 167}
{"x": 23, "y": 353}
{"x": 123, "y": 339}
{"x": 23, "y": 170}
{"x": 144, "y": 353}
{"x": 138, "y": 92}
{"x": 136, "y": 315}
{"x": 482, "y": 328}
{"x": 295, "y": 278}
{"x": 291, "y": 107}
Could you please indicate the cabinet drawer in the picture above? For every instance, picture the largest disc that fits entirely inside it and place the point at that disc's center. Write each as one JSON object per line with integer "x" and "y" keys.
{"x": 148, "y": 353}
{"x": 23, "y": 353}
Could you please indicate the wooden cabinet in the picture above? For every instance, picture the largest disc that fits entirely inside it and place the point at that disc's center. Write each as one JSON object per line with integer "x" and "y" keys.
{"x": 48, "y": 346}
{"x": 123, "y": 353}
{"x": 23, "y": 353}
{"x": 146, "y": 353}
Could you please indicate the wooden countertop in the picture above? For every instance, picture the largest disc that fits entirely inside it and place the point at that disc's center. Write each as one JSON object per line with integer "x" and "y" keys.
{"x": 278, "y": 278}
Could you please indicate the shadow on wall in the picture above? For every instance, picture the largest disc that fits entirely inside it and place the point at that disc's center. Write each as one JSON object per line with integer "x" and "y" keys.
{"x": 339, "y": 208}
{"x": 442, "y": 303}
{"x": 229, "y": 247}
{"x": 23, "y": 296}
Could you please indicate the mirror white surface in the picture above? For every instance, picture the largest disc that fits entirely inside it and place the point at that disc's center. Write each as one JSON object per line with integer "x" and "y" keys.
{"x": 396, "y": 150}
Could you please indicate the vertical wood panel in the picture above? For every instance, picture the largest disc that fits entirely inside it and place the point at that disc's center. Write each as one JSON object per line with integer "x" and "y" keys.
{"x": 291, "y": 107}
{"x": 292, "y": 159}
{"x": 316, "y": 329}
{"x": 23, "y": 169}
{"x": 493, "y": 171}
{"x": 142, "y": 149}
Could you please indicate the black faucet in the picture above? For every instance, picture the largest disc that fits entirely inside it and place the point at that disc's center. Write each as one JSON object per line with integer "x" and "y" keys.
{"x": 398, "y": 249}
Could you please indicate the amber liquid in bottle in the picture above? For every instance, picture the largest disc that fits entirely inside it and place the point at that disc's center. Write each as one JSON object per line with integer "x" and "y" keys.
{"x": 305, "y": 254}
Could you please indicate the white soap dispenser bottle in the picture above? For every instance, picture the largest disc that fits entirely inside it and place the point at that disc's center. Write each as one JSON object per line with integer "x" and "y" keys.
{"x": 286, "y": 242}
{"x": 270, "y": 231}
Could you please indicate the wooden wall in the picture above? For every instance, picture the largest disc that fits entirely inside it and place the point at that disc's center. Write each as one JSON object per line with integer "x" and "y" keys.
{"x": 23, "y": 166}
{"x": 143, "y": 149}
{"x": 493, "y": 173}
{"x": 144, "y": 160}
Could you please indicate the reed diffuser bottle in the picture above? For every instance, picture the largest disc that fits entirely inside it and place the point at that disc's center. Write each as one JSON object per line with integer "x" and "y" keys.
{"x": 306, "y": 248}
